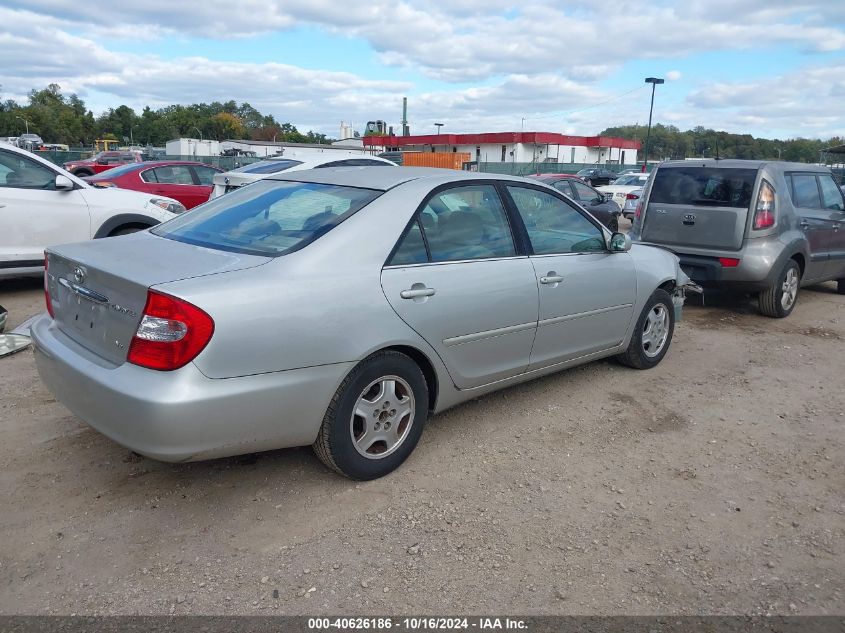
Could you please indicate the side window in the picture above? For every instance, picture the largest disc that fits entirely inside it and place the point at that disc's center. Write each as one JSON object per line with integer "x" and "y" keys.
{"x": 174, "y": 175}
{"x": 564, "y": 188}
{"x": 205, "y": 175}
{"x": 805, "y": 191}
{"x": 831, "y": 194}
{"x": 149, "y": 175}
{"x": 467, "y": 223}
{"x": 553, "y": 226}
{"x": 412, "y": 249}
{"x": 583, "y": 192}
{"x": 19, "y": 172}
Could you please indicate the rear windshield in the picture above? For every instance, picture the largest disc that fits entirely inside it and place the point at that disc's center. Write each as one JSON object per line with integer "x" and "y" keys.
{"x": 267, "y": 166}
{"x": 703, "y": 186}
{"x": 268, "y": 218}
{"x": 114, "y": 172}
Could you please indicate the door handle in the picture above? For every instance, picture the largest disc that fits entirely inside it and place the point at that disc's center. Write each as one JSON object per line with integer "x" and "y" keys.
{"x": 551, "y": 277}
{"x": 804, "y": 224}
{"x": 417, "y": 291}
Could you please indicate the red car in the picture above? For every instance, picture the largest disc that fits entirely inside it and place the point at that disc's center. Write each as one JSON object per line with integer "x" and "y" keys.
{"x": 188, "y": 182}
{"x": 100, "y": 162}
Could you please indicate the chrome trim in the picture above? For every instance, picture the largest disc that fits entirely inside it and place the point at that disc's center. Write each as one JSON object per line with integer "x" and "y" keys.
{"x": 454, "y": 261}
{"x": 581, "y": 315}
{"x": 478, "y": 336}
{"x": 84, "y": 292}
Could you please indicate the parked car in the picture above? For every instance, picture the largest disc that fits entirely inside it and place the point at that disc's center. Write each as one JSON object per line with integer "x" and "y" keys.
{"x": 188, "y": 182}
{"x": 292, "y": 161}
{"x": 624, "y": 185}
{"x": 340, "y": 308}
{"x": 755, "y": 226}
{"x": 29, "y": 141}
{"x": 596, "y": 176}
{"x": 632, "y": 202}
{"x": 43, "y": 205}
{"x": 101, "y": 161}
{"x": 606, "y": 211}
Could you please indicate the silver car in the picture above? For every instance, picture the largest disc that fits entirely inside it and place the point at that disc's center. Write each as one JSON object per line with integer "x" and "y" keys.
{"x": 309, "y": 309}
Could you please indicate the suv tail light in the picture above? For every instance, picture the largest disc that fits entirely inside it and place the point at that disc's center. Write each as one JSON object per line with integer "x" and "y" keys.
{"x": 47, "y": 288}
{"x": 764, "y": 213}
{"x": 171, "y": 334}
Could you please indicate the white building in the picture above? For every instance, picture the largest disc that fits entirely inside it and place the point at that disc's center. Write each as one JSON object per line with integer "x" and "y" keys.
{"x": 271, "y": 148}
{"x": 192, "y": 147}
{"x": 517, "y": 147}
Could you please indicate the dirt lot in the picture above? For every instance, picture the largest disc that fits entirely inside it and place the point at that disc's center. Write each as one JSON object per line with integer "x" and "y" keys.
{"x": 711, "y": 484}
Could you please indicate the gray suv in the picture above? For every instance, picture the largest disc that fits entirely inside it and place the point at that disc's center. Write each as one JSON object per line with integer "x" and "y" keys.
{"x": 755, "y": 226}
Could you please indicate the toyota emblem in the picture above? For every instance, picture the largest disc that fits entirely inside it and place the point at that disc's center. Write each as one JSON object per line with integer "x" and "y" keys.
{"x": 79, "y": 275}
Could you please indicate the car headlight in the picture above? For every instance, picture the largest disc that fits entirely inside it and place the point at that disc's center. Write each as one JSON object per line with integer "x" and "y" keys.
{"x": 169, "y": 205}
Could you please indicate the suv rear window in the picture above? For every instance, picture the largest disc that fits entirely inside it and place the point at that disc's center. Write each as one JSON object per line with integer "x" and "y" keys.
{"x": 704, "y": 186}
{"x": 268, "y": 218}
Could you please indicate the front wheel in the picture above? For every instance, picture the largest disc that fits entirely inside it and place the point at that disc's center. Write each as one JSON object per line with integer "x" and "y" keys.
{"x": 652, "y": 333}
{"x": 613, "y": 223}
{"x": 779, "y": 299}
{"x": 375, "y": 418}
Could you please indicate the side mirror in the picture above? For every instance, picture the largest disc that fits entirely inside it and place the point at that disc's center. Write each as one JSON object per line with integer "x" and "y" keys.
{"x": 619, "y": 243}
{"x": 63, "y": 183}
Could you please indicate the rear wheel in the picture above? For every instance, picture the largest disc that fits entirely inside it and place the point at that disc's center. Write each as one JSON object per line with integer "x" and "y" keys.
{"x": 376, "y": 417}
{"x": 652, "y": 333}
{"x": 613, "y": 224}
{"x": 779, "y": 299}
{"x": 840, "y": 286}
{"x": 126, "y": 230}
{"x": 83, "y": 173}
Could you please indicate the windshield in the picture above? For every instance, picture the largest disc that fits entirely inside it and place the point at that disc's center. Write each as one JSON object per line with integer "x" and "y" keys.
{"x": 268, "y": 218}
{"x": 585, "y": 172}
{"x": 630, "y": 179}
{"x": 114, "y": 172}
{"x": 703, "y": 186}
{"x": 267, "y": 166}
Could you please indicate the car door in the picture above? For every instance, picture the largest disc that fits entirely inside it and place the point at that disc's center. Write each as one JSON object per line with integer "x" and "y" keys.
{"x": 204, "y": 179}
{"x": 33, "y": 214}
{"x": 813, "y": 220}
{"x": 594, "y": 201}
{"x": 587, "y": 293}
{"x": 834, "y": 204}
{"x": 457, "y": 278}
{"x": 177, "y": 182}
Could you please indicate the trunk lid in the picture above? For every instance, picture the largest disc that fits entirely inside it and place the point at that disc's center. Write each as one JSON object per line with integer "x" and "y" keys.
{"x": 698, "y": 206}
{"x": 99, "y": 289}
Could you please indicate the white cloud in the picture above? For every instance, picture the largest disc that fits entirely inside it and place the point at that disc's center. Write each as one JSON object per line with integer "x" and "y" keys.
{"x": 673, "y": 75}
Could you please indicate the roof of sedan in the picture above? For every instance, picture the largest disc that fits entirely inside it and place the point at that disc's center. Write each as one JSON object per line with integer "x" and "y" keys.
{"x": 383, "y": 178}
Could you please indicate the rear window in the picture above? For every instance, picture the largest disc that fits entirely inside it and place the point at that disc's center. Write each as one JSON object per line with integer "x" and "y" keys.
{"x": 267, "y": 166}
{"x": 268, "y": 218}
{"x": 704, "y": 186}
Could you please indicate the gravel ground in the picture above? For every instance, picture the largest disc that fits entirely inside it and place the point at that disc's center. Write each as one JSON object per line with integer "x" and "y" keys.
{"x": 712, "y": 484}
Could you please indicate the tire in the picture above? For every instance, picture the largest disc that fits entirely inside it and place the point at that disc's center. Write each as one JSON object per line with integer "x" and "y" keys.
{"x": 342, "y": 444}
{"x": 658, "y": 317}
{"x": 613, "y": 224}
{"x": 780, "y": 298}
{"x": 83, "y": 173}
{"x": 840, "y": 286}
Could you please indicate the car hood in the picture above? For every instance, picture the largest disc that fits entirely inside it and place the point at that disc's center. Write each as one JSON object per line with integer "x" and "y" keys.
{"x": 117, "y": 198}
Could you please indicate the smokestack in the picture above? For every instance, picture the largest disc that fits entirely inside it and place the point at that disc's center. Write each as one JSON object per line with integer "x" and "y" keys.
{"x": 405, "y": 130}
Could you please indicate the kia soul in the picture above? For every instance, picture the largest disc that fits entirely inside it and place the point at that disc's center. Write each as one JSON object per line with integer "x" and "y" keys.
{"x": 768, "y": 228}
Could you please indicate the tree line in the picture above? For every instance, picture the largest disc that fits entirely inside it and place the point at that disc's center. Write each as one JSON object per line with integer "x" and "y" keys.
{"x": 667, "y": 141}
{"x": 60, "y": 118}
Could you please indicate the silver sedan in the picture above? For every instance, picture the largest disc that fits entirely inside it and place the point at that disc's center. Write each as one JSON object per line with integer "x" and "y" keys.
{"x": 341, "y": 308}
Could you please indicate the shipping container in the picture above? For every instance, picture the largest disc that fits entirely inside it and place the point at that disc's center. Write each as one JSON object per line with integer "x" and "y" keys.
{"x": 444, "y": 160}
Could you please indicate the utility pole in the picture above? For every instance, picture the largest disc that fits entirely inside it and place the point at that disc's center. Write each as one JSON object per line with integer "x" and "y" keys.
{"x": 26, "y": 123}
{"x": 654, "y": 81}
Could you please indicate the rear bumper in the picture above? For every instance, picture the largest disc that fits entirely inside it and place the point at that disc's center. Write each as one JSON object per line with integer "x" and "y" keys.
{"x": 183, "y": 415}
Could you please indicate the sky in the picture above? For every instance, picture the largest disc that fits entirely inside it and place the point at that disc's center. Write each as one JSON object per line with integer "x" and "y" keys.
{"x": 774, "y": 69}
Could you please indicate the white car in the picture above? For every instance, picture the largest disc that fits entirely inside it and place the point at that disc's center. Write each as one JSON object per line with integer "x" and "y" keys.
{"x": 292, "y": 161}
{"x": 624, "y": 185}
{"x": 42, "y": 205}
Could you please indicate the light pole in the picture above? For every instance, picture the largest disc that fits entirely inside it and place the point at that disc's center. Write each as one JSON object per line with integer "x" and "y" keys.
{"x": 653, "y": 81}
{"x": 438, "y": 126}
{"x": 131, "y": 137}
{"x": 198, "y": 130}
{"x": 26, "y": 123}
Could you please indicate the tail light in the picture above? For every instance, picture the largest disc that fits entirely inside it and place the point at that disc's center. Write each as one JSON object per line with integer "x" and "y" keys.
{"x": 632, "y": 196}
{"x": 638, "y": 212}
{"x": 47, "y": 287}
{"x": 171, "y": 334}
{"x": 729, "y": 262}
{"x": 764, "y": 213}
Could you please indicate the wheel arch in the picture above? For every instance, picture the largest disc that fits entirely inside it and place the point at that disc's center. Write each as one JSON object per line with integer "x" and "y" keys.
{"x": 124, "y": 220}
{"x": 425, "y": 365}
